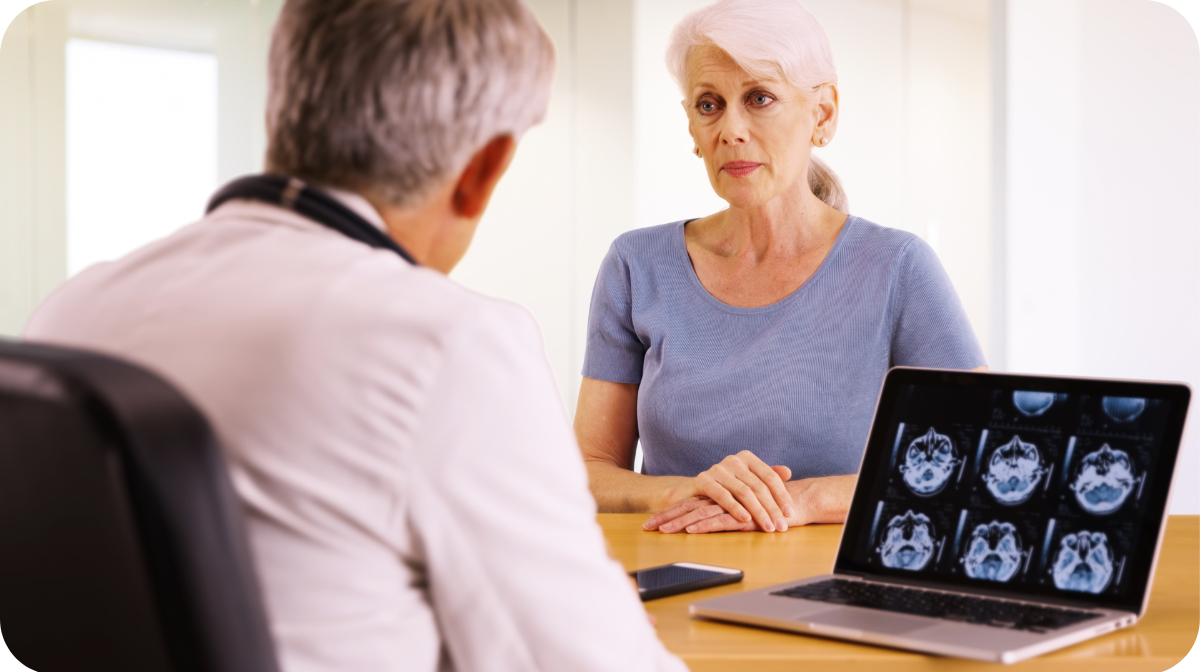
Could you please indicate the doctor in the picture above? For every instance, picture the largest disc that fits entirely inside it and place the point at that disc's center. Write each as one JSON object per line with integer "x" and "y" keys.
{"x": 414, "y": 494}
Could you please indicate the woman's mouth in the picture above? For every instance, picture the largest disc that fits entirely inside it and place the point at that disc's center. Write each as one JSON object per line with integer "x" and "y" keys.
{"x": 740, "y": 168}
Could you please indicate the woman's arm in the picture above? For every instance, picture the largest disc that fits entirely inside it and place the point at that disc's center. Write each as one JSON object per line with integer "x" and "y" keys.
{"x": 606, "y": 428}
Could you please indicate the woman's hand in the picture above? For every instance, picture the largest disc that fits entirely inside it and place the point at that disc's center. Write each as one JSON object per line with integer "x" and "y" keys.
{"x": 815, "y": 500}
{"x": 743, "y": 486}
{"x": 694, "y": 515}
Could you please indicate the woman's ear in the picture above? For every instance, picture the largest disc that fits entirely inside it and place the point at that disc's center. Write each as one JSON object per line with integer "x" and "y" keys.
{"x": 691, "y": 133}
{"x": 825, "y": 115}
{"x": 478, "y": 180}
{"x": 827, "y": 109}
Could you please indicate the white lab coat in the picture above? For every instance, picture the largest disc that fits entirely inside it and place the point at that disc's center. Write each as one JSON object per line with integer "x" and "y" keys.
{"x": 415, "y": 499}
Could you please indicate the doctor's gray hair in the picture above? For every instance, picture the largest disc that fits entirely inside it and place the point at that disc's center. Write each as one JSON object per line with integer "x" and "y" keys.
{"x": 769, "y": 39}
{"x": 391, "y": 98}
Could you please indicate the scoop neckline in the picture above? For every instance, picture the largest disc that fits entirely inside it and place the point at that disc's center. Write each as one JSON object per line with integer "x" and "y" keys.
{"x": 681, "y": 247}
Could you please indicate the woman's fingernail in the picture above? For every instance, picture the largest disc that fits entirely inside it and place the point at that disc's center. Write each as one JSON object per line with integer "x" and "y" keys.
{"x": 788, "y": 510}
{"x": 781, "y": 524}
{"x": 769, "y": 527}
{"x": 691, "y": 529}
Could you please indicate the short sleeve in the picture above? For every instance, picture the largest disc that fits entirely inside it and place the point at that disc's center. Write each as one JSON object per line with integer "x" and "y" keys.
{"x": 931, "y": 328}
{"x": 614, "y": 351}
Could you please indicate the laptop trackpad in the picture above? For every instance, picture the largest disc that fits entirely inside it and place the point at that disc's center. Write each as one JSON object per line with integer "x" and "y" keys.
{"x": 869, "y": 620}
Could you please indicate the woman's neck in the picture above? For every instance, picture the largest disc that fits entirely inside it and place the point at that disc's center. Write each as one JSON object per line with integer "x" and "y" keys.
{"x": 791, "y": 225}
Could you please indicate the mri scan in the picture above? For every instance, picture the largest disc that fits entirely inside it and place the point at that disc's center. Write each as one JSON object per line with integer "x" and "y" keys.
{"x": 1084, "y": 562}
{"x": 994, "y": 552}
{"x": 929, "y": 463}
{"x": 1033, "y": 404}
{"x": 908, "y": 542}
{"x": 1105, "y": 480}
{"x": 1123, "y": 409}
{"x": 1014, "y": 471}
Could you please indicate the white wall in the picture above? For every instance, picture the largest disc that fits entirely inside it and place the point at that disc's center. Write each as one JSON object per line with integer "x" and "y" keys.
{"x": 1104, "y": 210}
{"x": 1044, "y": 189}
{"x": 569, "y": 191}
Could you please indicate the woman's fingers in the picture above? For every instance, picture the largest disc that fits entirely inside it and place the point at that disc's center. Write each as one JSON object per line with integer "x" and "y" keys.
{"x": 712, "y": 484}
{"x": 774, "y": 481}
{"x": 750, "y": 482}
{"x": 721, "y": 523}
{"x": 675, "y": 510}
{"x": 784, "y": 472}
{"x": 743, "y": 486}
{"x": 693, "y": 517}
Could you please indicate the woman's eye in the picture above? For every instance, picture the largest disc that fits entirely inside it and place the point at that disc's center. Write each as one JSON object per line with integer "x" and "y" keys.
{"x": 706, "y": 107}
{"x": 761, "y": 99}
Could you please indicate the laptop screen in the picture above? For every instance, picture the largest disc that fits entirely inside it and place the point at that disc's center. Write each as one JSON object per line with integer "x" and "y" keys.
{"x": 1016, "y": 485}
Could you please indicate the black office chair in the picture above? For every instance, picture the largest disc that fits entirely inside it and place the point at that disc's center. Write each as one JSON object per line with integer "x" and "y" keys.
{"x": 121, "y": 543}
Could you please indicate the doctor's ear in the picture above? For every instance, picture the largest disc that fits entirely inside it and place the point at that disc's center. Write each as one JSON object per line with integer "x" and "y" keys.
{"x": 478, "y": 180}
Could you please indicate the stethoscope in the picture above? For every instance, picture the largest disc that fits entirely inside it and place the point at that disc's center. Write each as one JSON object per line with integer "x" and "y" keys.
{"x": 307, "y": 201}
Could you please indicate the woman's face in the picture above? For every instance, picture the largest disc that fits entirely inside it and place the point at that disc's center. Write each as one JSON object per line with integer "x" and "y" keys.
{"x": 755, "y": 135}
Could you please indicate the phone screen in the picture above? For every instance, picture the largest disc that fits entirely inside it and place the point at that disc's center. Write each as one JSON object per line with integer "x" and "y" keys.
{"x": 681, "y": 577}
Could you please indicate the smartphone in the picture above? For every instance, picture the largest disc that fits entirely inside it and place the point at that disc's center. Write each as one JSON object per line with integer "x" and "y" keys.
{"x": 681, "y": 577}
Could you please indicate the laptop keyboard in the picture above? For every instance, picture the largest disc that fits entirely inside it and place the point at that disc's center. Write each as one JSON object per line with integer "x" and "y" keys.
{"x": 962, "y": 608}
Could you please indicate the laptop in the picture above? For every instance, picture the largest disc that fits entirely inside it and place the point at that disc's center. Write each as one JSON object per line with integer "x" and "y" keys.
{"x": 996, "y": 517}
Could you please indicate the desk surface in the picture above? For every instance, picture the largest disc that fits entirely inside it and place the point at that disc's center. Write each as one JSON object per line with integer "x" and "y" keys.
{"x": 1157, "y": 642}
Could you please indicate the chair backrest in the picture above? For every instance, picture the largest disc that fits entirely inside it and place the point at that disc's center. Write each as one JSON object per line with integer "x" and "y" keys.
{"x": 121, "y": 543}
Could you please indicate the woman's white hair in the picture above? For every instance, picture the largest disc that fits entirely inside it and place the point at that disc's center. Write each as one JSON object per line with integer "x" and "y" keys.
{"x": 393, "y": 97}
{"x": 769, "y": 39}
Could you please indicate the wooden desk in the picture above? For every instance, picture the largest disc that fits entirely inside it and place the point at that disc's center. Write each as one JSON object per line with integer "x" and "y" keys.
{"x": 1156, "y": 643}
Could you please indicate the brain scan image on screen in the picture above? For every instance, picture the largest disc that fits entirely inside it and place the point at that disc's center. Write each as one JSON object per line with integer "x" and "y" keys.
{"x": 1123, "y": 409}
{"x": 929, "y": 463}
{"x": 1033, "y": 404}
{"x": 1084, "y": 562}
{"x": 1014, "y": 471}
{"x": 908, "y": 542}
{"x": 994, "y": 552}
{"x": 1105, "y": 480}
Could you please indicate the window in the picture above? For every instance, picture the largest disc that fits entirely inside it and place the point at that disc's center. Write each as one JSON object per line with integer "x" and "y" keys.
{"x": 141, "y": 146}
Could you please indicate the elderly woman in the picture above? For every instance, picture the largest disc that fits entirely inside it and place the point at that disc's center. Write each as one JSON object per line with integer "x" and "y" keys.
{"x": 746, "y": 348}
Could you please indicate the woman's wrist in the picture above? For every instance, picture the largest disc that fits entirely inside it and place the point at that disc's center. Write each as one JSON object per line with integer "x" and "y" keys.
{"x": 619, "y": 490}
{"x": 821, "y": 500}
{"x": 678, "y": 487}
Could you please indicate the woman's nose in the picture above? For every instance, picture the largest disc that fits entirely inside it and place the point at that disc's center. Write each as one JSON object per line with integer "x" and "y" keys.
{"x": 733, "y": 128}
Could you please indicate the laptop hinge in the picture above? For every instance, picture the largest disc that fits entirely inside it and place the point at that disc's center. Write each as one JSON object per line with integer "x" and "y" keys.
{"x": 960, "y": 590}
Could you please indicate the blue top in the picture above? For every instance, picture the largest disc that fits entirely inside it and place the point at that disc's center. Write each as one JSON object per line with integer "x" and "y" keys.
{"x": 794, "y": 382}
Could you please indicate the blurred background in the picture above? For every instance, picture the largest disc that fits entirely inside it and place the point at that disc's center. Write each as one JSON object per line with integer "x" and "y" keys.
{"x": 1048, "y": 150}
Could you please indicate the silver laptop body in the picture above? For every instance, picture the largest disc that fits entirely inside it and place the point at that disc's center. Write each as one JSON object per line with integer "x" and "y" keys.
{"x": 1030, "y": 492}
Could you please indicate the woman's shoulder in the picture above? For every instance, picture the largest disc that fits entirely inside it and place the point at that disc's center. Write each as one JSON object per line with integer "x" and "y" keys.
{"x": 866, "y": 233}
{"x": 648, "y": 247}
{"x": 648, "y": 240}
{"x": 875, "y": 244}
